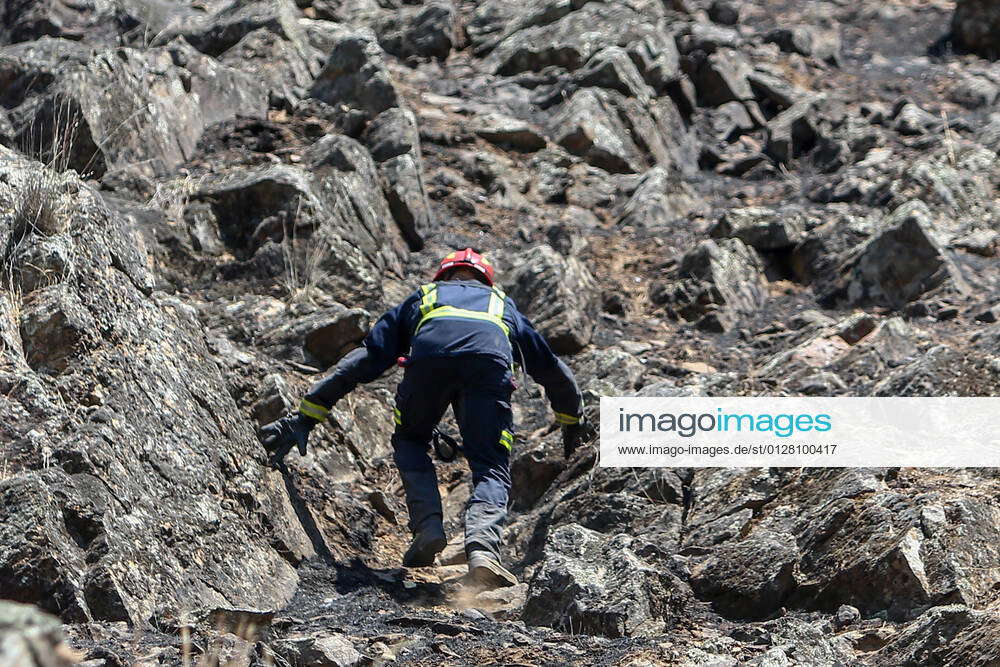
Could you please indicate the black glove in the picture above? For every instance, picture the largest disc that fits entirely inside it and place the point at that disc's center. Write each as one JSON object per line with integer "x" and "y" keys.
{"x": 280, "y": 436}
{"x": 574, "y": 434}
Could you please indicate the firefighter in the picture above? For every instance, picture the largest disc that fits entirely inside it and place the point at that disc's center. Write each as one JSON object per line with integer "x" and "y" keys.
{"x": 458, "y": 338}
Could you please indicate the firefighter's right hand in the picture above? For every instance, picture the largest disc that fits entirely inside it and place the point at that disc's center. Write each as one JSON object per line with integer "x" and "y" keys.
{"x": 280, "y": 436}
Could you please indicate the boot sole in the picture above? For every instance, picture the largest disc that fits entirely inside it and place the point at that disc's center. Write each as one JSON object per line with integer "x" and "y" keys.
{"x": 424, "y": 557}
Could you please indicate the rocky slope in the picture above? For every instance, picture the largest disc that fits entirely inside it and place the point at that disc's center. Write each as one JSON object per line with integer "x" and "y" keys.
{"x": 203, "y": 205}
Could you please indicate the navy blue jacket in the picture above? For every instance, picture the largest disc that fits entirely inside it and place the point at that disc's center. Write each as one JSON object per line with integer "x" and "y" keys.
{"x": 451, "y": 318}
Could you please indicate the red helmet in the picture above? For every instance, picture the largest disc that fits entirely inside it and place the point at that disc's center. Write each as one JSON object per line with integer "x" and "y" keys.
{"x": 467, "y": 257}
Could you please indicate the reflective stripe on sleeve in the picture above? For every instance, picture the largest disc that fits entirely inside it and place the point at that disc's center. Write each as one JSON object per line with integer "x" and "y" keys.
{"x": 314, "y": 410}
{"x": 565, "y": 419}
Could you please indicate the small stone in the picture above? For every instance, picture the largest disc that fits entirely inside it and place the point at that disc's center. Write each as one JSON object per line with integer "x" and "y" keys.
{"x": 846, "y": 615}
{"x": 856, "y": 327}
{"x": 990, "y": 315}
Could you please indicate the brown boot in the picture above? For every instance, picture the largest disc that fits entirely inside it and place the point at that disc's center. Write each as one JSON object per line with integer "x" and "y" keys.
{"x": 487, "y": 572}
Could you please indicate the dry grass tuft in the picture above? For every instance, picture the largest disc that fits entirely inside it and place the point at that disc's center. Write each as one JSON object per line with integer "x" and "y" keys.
{"x": 303, "y": 258}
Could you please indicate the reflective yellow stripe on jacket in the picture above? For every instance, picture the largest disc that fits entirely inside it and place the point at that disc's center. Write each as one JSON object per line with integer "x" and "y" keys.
{"x": 506, "y": 440}
{"x": 430, "y": 310}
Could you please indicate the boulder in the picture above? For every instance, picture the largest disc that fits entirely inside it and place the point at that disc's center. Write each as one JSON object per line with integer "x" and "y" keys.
{"x": 166, "y": 96}
{"x": 558, "y": 294}
{"x": 147, "y": 492}
{"x": 587, "y": 125}
{"x": 226, "y": 23}
{"x": 394, "y": 143}
{"x": 748, "y": 578}
{"x": 428, "y": 30}
{"x": 718, "y": 282}
{"x": 355, "y": 76}
{"x": 661, "y": 201}
{"x": 722, "y": 77}
{"x": 792, "y": 133}
{"x": 622, "y": 135}
{"x": 609, "y": 372}
{"x": 595, "y": 584}
{"x": 948, "y": 634}
{"x": 407, "y": 198}
{"x": 568, "y": 40}
{"x": 332, "y": 210}
{"x": 939, "y": 371}
{"x": 286, "y": 68}
{"x": 335, "y": 334}
{"x": 31, "y": 638}
{"x": 508, "y": 132}
{"x": 772, "y": 91}
{"x": 706, "y": 38}
{"x": 330, "y": 650}
{"x": 975, "y": 92}
{"x": 910, "y": 119}
{"x": 612, "y": 68}
{"x": 732, "y": 120}
{"x": 658, "y": 60}
{"x": 762, "y": 228}
{"x": 902, "y": 261}
{"x": 725, "y": 12}
{"x": 975, "y": 26}
{"x": 113, "y": 23}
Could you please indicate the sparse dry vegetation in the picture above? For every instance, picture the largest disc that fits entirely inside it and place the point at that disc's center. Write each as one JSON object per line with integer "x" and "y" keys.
{"x": 303, "y": 256}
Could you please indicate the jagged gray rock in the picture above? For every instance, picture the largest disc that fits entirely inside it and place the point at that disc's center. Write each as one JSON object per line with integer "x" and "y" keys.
{"x": 228, "y": 22}
{"x": 903, "y": 261}
{"x": 558, "y": 294}
{"x": 394, "y": 142}
{"x": 762, "y": 228}
{"x": 332, "y": 210}
{"x": 660, "y": 201}
{"x": 555, "y": 35}
{"x": 748, "y": 578}
{"x": 355, "y": 75}
{"x": 620, "y": 135}
{"x": 722, "y": 77}
{"x": 428, "y": 30}
{"x": 149, "y": 497}
{"x": 509, "y": 132}
{"x": 717, "y": 283}
{"x": 792, "y": 132}
{"x": 809, "y": 41}
{"x": 600, "y": 585}
{"x": 947, "y": 634}
{"x": 165, "y": 96}
{"x": 333, "y": 650}
{"x": 587, "y": 125}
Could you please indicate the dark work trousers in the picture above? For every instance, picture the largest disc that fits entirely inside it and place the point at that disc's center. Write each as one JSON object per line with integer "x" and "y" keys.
{"x": 478, "y": 389}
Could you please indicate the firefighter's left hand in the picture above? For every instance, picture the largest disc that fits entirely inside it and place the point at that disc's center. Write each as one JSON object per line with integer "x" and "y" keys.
{"x": 280, "y": 436}
{"x": 575, "y": 434}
